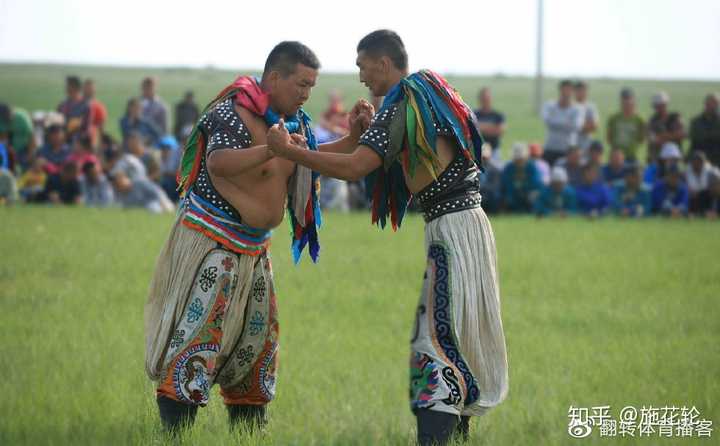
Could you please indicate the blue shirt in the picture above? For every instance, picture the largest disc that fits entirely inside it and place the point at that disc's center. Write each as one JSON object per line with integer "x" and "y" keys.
{"x": 551, "y": 201}
{"x": 636, "y": 202}
{"x": 665, "y": 199}
{"x": 592, "y": 197}
{"x": 516, "y": 185}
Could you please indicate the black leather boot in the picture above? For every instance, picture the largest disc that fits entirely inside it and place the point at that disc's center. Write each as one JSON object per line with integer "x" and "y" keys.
{"x": 435, "y": 428}
{"x": 252, "y": 416}
{"x": 175, "y": 415}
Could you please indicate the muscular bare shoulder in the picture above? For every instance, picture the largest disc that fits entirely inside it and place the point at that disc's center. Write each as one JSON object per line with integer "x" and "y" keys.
{"x": 255, "y": 124}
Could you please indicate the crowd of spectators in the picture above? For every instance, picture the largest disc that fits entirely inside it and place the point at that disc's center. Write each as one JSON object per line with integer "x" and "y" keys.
{"x": 67, "y": 157}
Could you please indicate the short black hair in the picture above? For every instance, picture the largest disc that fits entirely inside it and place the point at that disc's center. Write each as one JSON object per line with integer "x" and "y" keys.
{"x": 580, "y": 84}
{"x": 565, "y": 83}
{"x": 385, "y": 42}
{"x": 285, "y": 57}
{"x": 73, "y": 81}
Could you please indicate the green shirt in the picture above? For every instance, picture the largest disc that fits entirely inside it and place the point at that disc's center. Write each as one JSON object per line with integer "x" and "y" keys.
{"x": 626, "y": 133}
{"x": 20, "y": 127}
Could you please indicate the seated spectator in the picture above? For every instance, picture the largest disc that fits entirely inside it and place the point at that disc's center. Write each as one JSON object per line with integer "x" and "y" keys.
{"x": 491, "y": 123}
{"x": 593, "y": 197}
{"x": 664, "y": 127}
{"x": 7, "y": 154}
{"x": 710, "y": 199}
{"x": 140, "y": 193}
{"x": 83, "y": 153}
{"x": 129, "y": 164}
{"x": 536, "y": 153}
{"x": 8, "y": 188}
{"x": 520, "y": 181}
{"x": 613, "y": 173}
{"x": 670, "y": 195}
{"x": 95, "y": 187}
{"x": 595, "y": 154}
{"x": 632, "y": 196}
{"x": 170, "y": 155}
{"x": 75, "y": 109}
{"x": 705, "y": 130}
{"x": 590, "y": 115}
{"x": 63, "y": 188}
{"x": 149, "y": 158}
{"x": 32, "y": 183}
{"x": 626, "y": 129}
{"x": 55, "y": 151}
{"x": 697, "y": 179}
{"x": 490, "y": 182}
{"x": 558, "y": 198}
{"x": 670, "y": 156}
{"x": 572, "y": 164}
{"x": 563, "y": 123}
{"x": 134, "y": 122}
{"x": 187, "y": 113}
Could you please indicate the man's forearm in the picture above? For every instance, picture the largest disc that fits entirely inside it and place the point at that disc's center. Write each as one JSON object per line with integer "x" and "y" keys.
{"x": 346, "y": 144}
{"x": 336, "y": 165}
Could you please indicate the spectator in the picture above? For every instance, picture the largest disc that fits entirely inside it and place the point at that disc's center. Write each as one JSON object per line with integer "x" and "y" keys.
{"x": 127, "y": 163}
{"x": 572, "y": 163}
{"x": 55, "y": 151}
{"x": 140, "y": 193}
{"x": 154, "y": 109}
{"x": 8, "y": 188}
{"x": 83, "y": 153}
{"x": 133, "y": 122}
{"x": 664, "y": 127}
{"x": 17, "y": 124}
{"x": 590, "y": 115}
{"x": 558, "y": 198}
{"x": 149, "y": 158}
{"x": 98, "y": 112}
{"x": 536, "y": 152}
{"x": 75, "y": 109}
{"x": 169, "y": 163}
{"x": 7, "y": 154}
{"x": 626, "y": 129}
{"x": 95, "y": 187}
{"x": 63, "y": 188}
{"x": 490, "y": 181}
{"x": 186, "y": 114}
{"x": 670, "y": 156}
{"x": 563, "y": 121}
{"x": 32, "y": 183}
{"x": 593, "y": 197}
{"x": 613, "y": 173}
{"x": 632, "y": 196}
{"x": 705, "y": 130}
{"x": 491, "y": 123}
{"x": 710, "y": 201}
{"x": 697, "y": 178}
{"x": 670, "y": 195}
{"x": 520, "y": 181}
{"x": 595, "y": 154}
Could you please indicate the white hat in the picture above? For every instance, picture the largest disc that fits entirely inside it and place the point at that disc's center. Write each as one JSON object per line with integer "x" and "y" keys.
{"x": 670, "y": 150}
{"x": 559, "y": 174}
{"x": 519, "y": 150}
{"x": 660, "y": 98}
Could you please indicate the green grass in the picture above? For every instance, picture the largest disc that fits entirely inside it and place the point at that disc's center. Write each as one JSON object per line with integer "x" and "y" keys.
{"x": 42, "y": 87}
{"x": 610, "y": 312}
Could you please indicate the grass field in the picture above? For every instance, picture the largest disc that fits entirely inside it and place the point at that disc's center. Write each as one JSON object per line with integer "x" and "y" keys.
{"x": 612, "y": 312}
{"x": 42, "y": 87}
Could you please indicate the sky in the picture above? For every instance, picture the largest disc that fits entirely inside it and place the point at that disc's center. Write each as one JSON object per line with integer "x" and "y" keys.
{"x": 665, "y": 39}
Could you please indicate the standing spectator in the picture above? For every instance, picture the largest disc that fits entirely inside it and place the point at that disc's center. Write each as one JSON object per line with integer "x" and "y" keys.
{"x": 613, "y": 173}
{"x": 626, "y": 129}
{"x": 563, "y": 121}
{"x": 572, "y": 163}
{"x": 670, "y": 195}
{"x": 590, "y": 115}
{"x": 186, "y": 114}
{"x": 98, "y": 112}
{"x": 520, "y": 181}
{"x": 558, "y": 198}
{"x": 140, "y": 193}
{"x": 697, "y": 178}
{"x": 134, "y": 122}
{"x": 75, "y": 109}
{"x": 536, "y": 152}
{"x": 664, "y": 126}
{"x": 705, "y": 130}
{"x": 94, "y": 186}
{"x": 32, "y": 183}
{"x": 55, "y": 151}
{"x": 593, "y": 197}
{"x": 8, "y": 188}
{"x": 491, "y": 123}
{"x": 490, "y": 181}
{"x": 17, "y": 124}
{"x": 153, "y": 107}
{"x": 63, "y": 188}
{"x": 632, "y": 196}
